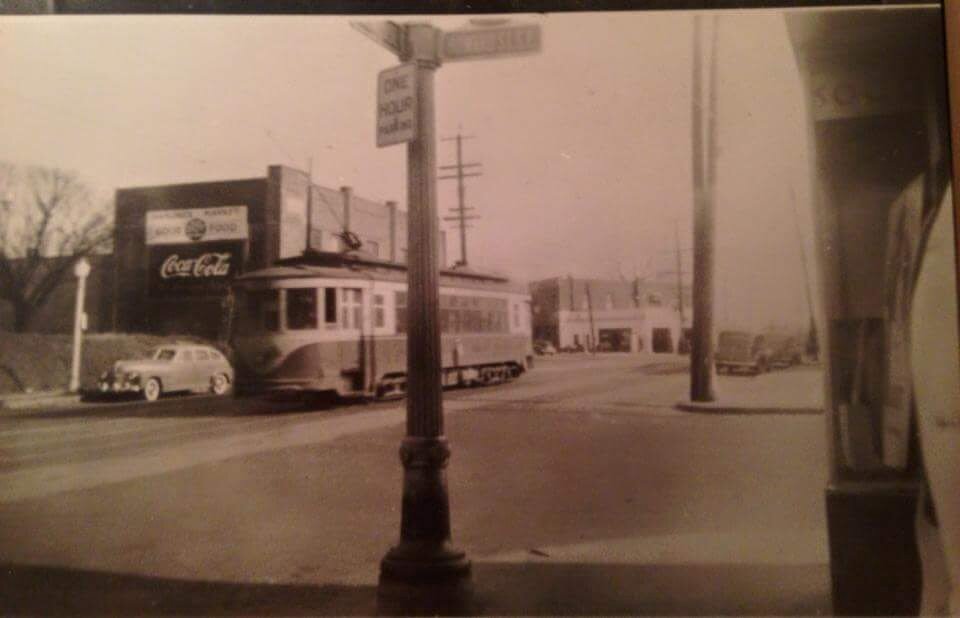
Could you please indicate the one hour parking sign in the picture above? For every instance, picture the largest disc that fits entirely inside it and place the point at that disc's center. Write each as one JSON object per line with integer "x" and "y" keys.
{"x": 397, "y": 105}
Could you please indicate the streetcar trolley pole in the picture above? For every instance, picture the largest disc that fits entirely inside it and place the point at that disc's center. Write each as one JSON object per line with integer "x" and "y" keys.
{"x": 424, "y": 573}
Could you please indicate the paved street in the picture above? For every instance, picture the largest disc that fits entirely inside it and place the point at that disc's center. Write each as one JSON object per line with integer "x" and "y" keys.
{"x": 577, "y": 489}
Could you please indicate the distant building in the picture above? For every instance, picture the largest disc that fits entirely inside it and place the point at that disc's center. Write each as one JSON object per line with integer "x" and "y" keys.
{"x": 613, "y": 315}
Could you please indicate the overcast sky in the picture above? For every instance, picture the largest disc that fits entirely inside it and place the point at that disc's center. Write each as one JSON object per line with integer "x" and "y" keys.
{"x": 585, "y": 147}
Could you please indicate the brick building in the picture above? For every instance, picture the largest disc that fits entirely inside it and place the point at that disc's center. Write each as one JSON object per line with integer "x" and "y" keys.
{"x": 178, "y": 246}
{"x": 615, "y": 315}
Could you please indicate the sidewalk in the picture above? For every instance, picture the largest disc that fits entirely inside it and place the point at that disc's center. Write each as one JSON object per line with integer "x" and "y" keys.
{"x": 26, "y": 401}
{"x": 772, "y": 393}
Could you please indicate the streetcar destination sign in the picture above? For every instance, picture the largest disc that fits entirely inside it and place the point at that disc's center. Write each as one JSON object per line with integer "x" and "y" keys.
{"x": 397, "y": 105}
{"x": 477, "y": 43}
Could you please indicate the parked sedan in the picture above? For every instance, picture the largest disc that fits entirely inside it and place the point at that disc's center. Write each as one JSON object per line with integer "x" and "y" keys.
{"x": 785, "y": 351}
{"x": 739, "y": 350}
{"x": 544, "y": 348}
{"x": 170, "y": 368}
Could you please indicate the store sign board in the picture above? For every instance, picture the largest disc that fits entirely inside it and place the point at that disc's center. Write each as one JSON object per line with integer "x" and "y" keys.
{"x": 191, "y": 225}
{"x": 198, "y": 269}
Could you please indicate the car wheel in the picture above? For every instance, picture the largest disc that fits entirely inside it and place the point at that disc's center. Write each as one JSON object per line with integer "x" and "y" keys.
{"x": 152, "y": 390}
{"x": 219, "y": 384}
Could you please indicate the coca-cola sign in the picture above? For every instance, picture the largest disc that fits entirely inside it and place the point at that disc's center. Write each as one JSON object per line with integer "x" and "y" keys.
{"x": 190, "y": 270}
{"x": 204, "y": 265}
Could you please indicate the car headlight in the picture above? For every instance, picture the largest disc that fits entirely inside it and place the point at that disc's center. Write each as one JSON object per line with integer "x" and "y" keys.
{"x": 133, "y": 376}
{"x": 104, "y": 375}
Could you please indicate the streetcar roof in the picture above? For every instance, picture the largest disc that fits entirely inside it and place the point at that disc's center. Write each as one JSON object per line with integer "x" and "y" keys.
{"x": 359, "y": 264}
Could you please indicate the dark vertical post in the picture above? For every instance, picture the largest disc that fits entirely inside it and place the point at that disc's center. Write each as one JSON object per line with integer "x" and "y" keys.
{"x": 308, "y": 245}
{"x": 593, "y": 333}
{"x": 392, "y": 210}
{"x": 423, "y": 573}
{"x": 676, "y": 238}
{"x": 701, "y": 362}
{"x": 347, "y": 203}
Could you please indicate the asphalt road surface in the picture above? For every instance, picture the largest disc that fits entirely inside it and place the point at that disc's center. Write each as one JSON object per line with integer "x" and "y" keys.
{"x": 578, "y": 488}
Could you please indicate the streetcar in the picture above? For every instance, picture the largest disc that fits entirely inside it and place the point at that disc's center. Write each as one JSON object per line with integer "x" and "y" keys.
{"x": 335, "y": 323}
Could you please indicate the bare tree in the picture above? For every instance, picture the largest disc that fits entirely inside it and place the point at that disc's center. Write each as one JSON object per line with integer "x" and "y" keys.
{"x": 48, "y": 218}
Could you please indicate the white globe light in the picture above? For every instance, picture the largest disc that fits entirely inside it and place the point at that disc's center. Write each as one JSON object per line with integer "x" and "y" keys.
{"x": 82, "y": 268}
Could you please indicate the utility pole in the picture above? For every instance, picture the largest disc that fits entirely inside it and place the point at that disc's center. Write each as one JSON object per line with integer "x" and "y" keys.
{"x": 309, "y": 243}
{"x": 704, "y": 182}
{"x": 460, "y": 213}
{"x": 676, "y": 238}
{"x": 593, "y": 333}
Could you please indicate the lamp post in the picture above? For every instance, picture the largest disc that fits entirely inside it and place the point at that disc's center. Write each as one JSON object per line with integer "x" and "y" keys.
{"x": 81, "y": 270}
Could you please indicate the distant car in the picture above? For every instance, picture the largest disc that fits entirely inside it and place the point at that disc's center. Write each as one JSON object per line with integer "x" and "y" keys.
{"x": 785, "y": 350}
{"x": 170, "y": 368}
{"x": 544, "y": 348}
{"x": 741, "y": 350}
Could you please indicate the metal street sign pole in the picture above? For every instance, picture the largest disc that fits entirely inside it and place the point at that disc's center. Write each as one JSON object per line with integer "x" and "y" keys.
{"x": 423, "y": 573}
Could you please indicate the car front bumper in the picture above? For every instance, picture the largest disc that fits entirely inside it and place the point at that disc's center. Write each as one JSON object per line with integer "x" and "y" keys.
{"x": 119, "y": 386}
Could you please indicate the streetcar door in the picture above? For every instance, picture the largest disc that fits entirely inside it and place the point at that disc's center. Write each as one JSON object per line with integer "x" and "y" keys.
{"x": 351, "y": 325}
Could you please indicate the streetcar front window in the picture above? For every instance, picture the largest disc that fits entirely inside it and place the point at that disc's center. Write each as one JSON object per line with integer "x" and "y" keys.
{"x": 301, "y": 308}
{"x": 263, "y": 310}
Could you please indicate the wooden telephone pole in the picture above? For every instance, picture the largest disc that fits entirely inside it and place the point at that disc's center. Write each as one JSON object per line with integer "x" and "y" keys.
{"x": 460, "y": 213}
{"x": 704, "y": 184}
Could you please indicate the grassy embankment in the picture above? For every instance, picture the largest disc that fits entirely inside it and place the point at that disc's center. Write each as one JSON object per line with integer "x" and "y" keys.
{"x": 31, "y": 362}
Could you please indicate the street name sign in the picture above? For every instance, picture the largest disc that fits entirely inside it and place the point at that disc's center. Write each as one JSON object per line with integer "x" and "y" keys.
{"x": 397, "y": 105}
{"x": 478, "y": 43}
{"x": 385, "y": 33}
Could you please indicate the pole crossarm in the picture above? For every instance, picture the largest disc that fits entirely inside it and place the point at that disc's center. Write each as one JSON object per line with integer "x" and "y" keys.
{"x": 459, "y": 176}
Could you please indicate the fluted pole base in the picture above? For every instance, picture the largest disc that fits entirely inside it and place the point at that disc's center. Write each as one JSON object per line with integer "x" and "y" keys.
{"x": 424, "y": 574}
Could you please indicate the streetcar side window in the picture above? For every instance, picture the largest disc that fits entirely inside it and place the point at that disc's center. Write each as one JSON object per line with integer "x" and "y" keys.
{"x": 351, "y": 311}
{"x": 379, "y": 312}
{"x": 401, "y": 312}
{"x": 301, "y": 308}
{"x": 263, "y": 310}
{"x": 330, "y": 307}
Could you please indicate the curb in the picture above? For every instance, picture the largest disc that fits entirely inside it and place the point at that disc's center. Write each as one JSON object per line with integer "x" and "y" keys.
{"x": 718, "y": 407}
{"x": 22, "y": 401}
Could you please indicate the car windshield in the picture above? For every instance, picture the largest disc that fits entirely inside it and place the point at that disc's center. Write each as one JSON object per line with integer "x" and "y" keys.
{"x": 164, "y": 354}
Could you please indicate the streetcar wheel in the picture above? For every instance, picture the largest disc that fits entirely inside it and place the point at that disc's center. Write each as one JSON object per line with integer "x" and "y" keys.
{"x": 152, "y": 390}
